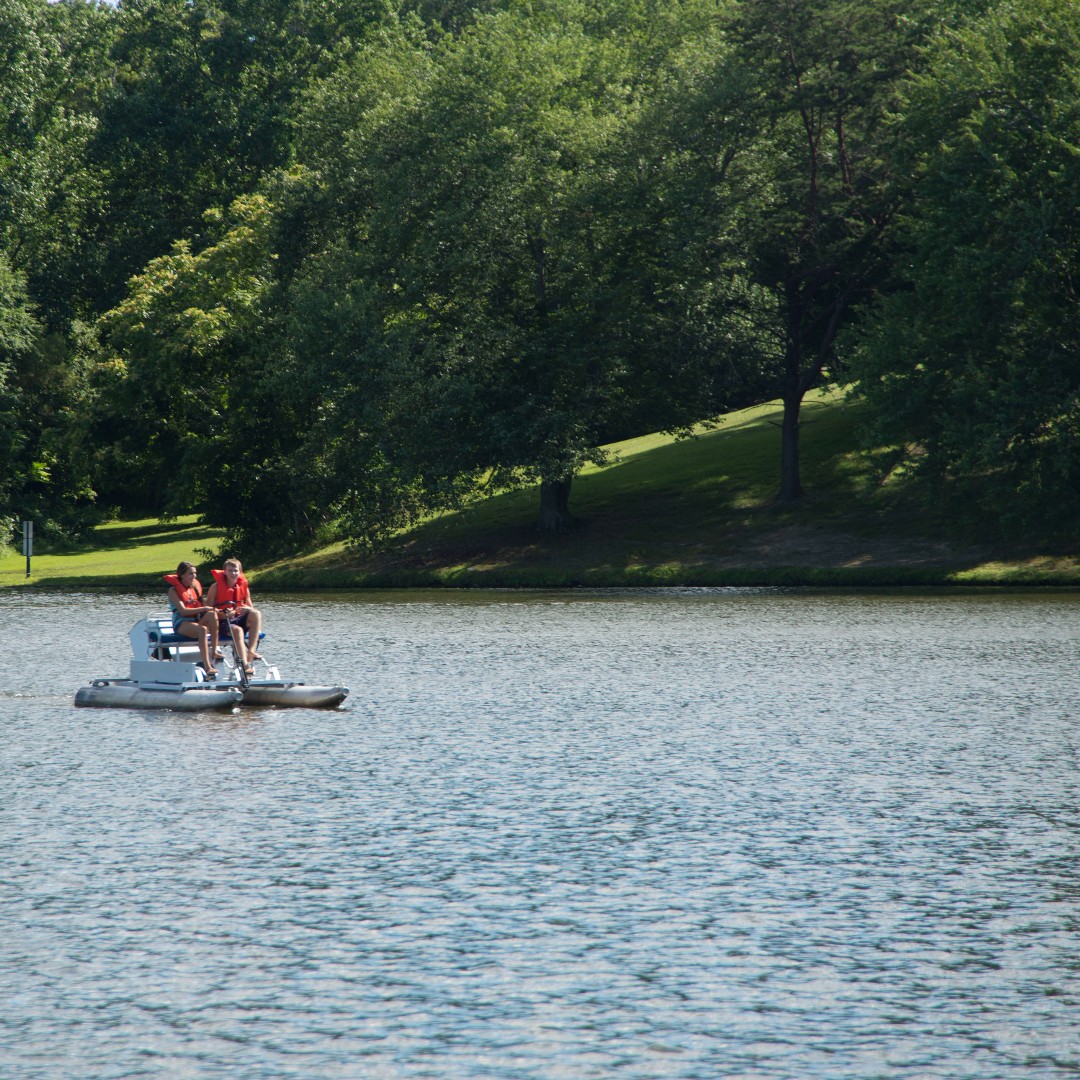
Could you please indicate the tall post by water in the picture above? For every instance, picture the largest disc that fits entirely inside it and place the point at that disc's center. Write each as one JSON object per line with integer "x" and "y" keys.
{"x": 28, "y": 542}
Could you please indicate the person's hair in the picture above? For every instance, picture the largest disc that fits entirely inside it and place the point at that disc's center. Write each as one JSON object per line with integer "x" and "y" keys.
{"x": 183, "y": 568}
{"x": 236, "y": 563}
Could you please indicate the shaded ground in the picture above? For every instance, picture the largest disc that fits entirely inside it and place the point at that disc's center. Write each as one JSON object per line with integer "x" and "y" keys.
{"x": 752, "y": 551}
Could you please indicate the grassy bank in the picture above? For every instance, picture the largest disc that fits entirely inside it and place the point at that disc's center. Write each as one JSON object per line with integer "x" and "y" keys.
{"x": 122, "y": 555}
{"x": 664, "y": 512}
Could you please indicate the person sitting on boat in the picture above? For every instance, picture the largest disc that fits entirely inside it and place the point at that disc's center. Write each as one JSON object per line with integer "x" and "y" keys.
{"x": 230, "y": 596}
{"x": 191, "y": 617}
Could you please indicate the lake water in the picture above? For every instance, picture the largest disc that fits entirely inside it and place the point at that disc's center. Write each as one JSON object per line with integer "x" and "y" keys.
{"x": 653, "y": 834}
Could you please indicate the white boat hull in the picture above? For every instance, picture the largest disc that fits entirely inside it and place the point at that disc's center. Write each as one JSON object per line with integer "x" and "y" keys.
{"x": 294, "y": 695}
{"x": 125, "y": 694}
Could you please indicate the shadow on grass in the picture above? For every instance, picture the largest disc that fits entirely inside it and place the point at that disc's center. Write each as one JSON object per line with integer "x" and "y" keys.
{"x": 149, "y": 534}
{"x": 109, "y": 583}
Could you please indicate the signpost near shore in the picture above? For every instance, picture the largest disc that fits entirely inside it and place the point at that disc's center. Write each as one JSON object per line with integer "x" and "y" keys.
{"x": 28, "y": 543}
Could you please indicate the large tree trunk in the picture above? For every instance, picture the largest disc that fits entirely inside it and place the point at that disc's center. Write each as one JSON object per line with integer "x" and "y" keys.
{"x": 801, "y": 373}
{"x": 555, "y": 504}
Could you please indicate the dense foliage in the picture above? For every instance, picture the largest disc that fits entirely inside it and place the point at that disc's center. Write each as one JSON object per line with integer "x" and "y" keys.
{"x": 316, "y": 269}
{"x": 972, "y": 361}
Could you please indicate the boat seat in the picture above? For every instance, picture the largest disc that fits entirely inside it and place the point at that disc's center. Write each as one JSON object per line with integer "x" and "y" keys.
{"x": 162, "y": 633}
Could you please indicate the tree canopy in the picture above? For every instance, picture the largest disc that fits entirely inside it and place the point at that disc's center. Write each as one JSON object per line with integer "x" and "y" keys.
{"x": 971, "y": 363}
{"x": 314, "y": 269}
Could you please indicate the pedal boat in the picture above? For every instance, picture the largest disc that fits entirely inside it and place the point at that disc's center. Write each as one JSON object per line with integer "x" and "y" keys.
{"x": 165, "y": 673}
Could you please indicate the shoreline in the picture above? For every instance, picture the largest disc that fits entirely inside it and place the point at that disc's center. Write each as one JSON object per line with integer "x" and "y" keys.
{"x": 1017, "y": 577}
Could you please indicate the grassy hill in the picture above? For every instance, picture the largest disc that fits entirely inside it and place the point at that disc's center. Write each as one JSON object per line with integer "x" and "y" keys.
{"x": 699, "y": 512}
{"x": 664, "y": 512}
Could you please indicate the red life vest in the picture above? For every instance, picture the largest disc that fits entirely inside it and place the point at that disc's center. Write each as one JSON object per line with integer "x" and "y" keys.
{"x": 189, "y": 597}
{"x": 234, "y": 597}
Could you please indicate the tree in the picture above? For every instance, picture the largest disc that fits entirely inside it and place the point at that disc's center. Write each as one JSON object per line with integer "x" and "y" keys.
{"x": 972, "y": 367}
{"x": 207, "y": 412}
{"x": 678, "y": 292}
{"x": 200, "y": 113}
{"x": 471, "y": 356}
{"x": 814, "y": 228}
{"x": 474, "y": 304}
{"x": 19, "y": 330}
{"x": 52, "y": 75}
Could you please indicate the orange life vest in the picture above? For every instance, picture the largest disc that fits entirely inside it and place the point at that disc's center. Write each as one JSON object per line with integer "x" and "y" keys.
{"x": 227, "y": 597}
{"x": 189, "y": 597}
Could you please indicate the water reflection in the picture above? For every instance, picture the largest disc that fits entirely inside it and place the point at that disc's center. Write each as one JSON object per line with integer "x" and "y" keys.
{"x": 693, "y": 833}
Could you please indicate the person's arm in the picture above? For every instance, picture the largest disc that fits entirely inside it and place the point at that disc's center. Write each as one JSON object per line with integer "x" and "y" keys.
{"x": 193, "y": 612}
{"x": 211, "y": 597}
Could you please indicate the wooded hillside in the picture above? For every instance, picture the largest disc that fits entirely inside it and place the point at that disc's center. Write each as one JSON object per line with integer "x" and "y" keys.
{"x": 316, "y": 271}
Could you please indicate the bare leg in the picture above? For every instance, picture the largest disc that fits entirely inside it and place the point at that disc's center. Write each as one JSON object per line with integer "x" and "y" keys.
{"x": 254, "y": 626}
{"x": 210, "y": 621}
{"x": 199, "y": 633}
{"x": 239, "y": 646}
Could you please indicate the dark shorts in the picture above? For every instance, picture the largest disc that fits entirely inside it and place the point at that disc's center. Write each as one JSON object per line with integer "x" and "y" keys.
{"x": 237, "y": 620}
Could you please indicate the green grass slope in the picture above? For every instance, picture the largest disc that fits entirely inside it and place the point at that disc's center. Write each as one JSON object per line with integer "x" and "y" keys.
{"x": 697, "y": 511}
{"x": 665, "y": 512}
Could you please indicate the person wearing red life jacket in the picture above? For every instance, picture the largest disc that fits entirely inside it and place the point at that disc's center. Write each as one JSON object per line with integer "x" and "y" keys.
{"x": 191, "y": 617}
{"x": 231, "y": 599}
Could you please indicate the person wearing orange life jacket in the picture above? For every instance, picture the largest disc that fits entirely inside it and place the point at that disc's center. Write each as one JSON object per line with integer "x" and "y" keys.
{"x": 191, "y": 617}
{"x": 230, "y": 596}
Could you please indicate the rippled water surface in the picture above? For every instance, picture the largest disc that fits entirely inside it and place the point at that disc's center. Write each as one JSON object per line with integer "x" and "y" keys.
{"x": 712, "y": 833}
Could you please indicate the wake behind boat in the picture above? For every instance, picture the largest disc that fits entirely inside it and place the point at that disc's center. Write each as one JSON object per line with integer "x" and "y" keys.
{"x": 165, "y": 674}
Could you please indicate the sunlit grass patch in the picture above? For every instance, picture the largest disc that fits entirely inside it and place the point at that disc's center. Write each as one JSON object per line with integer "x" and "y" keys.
{"x": 122, "y": 554}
